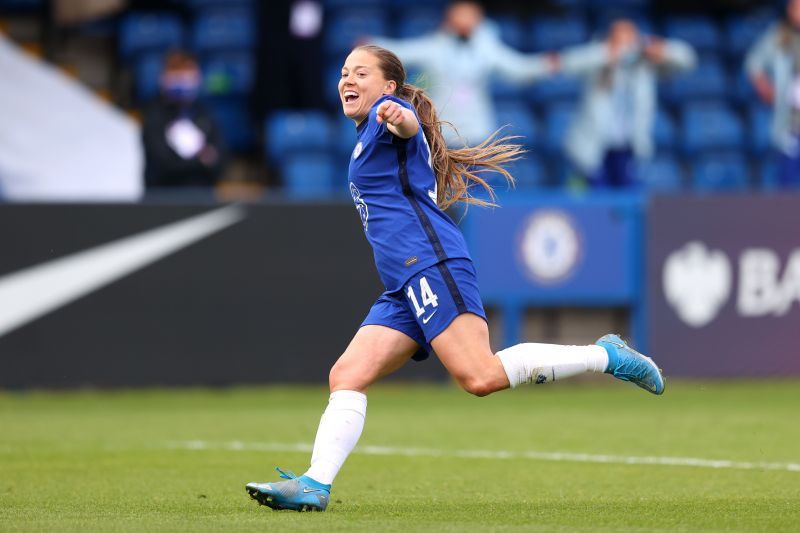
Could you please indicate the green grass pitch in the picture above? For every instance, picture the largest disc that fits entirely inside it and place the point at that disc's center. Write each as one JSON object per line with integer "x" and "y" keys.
{"x": 120, "y": 461}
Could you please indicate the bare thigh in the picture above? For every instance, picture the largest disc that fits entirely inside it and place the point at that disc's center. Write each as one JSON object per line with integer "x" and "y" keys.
{"x": 374, "y": 352}
{"x": 464, "y": 350}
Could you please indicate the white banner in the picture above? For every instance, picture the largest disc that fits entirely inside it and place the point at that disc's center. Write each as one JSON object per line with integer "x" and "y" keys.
{"x": 58, "y": 141}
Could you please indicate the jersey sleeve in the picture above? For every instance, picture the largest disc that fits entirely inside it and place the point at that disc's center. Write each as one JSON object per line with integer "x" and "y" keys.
{"x": 380, "y": 131}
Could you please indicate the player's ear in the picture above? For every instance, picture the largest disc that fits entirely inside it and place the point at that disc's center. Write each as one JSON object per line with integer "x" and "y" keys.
{"x": 390, "y": 88}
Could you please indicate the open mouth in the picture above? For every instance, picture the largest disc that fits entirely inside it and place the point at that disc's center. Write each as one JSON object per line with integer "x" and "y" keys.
{"x": 350, "y": 97}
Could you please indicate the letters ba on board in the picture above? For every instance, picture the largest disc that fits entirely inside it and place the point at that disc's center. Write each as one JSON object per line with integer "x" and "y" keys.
{"x": 723, "y": 280}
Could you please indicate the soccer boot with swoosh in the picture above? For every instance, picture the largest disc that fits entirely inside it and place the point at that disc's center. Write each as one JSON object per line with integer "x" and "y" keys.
{"x": 627, "y": 364}
{"x": 297, "y": 493}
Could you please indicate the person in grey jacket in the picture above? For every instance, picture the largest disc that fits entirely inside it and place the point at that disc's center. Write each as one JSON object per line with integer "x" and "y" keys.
{"x": 459, "y": 61}
{"x": 613, "y": 126}
{"x": 773, "y": 65}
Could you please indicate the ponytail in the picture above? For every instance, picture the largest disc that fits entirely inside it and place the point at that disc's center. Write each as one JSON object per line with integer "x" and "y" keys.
{"x": 458, "y": 171}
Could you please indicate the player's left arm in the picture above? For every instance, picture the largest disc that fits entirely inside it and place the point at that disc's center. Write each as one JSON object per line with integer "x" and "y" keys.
{"x": 400, "y": 121}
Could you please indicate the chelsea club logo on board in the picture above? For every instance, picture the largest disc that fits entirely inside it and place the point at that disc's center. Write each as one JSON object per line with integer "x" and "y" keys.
{"x": 357, "y": 150}
{"x": 550, "y": 246}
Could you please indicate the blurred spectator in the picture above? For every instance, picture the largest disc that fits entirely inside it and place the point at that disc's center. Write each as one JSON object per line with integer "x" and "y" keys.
{"x": 182, "y": 144}
{"x": 773, "y": 65}
{"x": 458, "y": 61}
{"x": 613, "y": 126}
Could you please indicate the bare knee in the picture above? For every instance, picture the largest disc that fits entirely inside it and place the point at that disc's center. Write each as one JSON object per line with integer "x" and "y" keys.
{"x": 478, "y": 385}
{"x": 338, "y": 376}
{"x": 346, "y": 376}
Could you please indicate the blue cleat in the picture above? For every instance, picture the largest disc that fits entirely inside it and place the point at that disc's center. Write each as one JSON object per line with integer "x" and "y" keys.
{"x": 298, "y": 493}
{"x": 627, "y": 364}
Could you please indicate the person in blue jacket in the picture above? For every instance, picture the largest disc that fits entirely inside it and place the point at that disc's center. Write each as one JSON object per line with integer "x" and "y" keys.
{"x": 402, "y": 176}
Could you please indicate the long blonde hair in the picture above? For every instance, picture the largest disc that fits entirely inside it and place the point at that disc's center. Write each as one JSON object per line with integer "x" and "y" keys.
{"x": 458, "y": 171}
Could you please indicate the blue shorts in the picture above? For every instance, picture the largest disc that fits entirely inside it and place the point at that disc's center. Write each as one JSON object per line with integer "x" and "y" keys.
{"x": 428, "y": 302}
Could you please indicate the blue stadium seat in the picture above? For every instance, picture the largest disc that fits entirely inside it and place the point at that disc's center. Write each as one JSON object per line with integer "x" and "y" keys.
{"x": 308, "y": 175}
{"x": 528, "y": 172}
{"x": 512, "y": 31}
{"x": 768, "y": 174}
{"x": 344, "y": 136}
{"x": 759, "y": 125}
{"x": 234, "y": 119}
{"x": 707, "y": 80}
{"x": 147, "y": 71}
{"x": 553, "y": 33}
{"x": 664, "y": 131}
{"x": 663, "y": 173}
{"x": 503, "y": 90}
{"x": 346, "y": 28}
{"x": 723, "y": 171}
{"x": 417, "y": 22}
{"x": 297, "y": 130}
{"x": 699, "y": 31}
{"x": 711, "y": 127}
{"x": 556, "y": 87}
{"x": 228, "y": 29}
{"x": 333, "y": 73}
{"x": 516, "y": 119}
{"x": 149, "y": 32}
{"x": 557, "y": 120}
{"x": 228, "y": 74}
{"x": 742, "y": 31}
{"x": 743, "y": 91}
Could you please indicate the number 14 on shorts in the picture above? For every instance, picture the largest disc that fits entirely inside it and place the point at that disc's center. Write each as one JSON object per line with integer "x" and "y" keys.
{"x": 429, "y": 298}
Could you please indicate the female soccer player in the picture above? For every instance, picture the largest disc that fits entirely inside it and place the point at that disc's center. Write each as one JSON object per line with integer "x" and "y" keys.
{"x": 402, "y": 176}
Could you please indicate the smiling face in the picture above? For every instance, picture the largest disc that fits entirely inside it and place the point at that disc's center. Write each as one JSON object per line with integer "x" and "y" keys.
{"x": 623, "y": 34}
{"x": 463, "y": 17}
{"x": 361, "y": 84}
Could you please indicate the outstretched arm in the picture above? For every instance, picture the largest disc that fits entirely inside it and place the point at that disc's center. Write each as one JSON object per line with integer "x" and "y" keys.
{"x": 585, "y": 58}
{"x": 670, "y": 53}
{"x": 399, "y": 120}
{"x": 522, "y": 68}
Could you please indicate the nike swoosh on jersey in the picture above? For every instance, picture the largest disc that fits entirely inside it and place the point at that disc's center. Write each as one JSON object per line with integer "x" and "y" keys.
{"x": 425, "y": 319}
{"x": 33, "y": 292}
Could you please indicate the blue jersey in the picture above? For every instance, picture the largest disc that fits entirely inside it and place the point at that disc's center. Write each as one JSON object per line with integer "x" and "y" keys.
{"x": 394, "y": 189}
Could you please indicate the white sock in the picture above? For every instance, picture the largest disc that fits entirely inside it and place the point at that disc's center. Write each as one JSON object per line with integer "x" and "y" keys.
{"x": 540, "y": 363}
{"x": 338, "y": 433}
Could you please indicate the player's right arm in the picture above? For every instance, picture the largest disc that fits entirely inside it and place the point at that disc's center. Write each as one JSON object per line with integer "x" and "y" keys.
{"x": 399, "y": 120}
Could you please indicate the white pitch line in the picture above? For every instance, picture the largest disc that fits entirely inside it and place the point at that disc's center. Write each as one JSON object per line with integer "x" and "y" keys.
{"x": 494, "y": 454}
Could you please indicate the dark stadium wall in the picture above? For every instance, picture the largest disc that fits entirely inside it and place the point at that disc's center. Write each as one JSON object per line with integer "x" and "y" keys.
{"x": 273, "y": 297}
